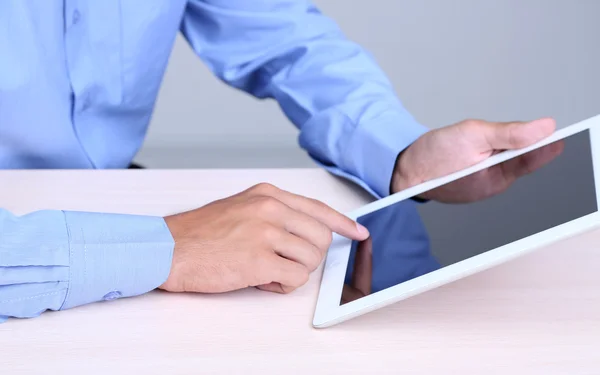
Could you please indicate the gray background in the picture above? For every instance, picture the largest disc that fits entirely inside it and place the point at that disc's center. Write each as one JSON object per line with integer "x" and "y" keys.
{"x": 448, "y": 60}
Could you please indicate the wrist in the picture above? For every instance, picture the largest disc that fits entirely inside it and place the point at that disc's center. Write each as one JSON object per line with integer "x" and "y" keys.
{"x": 403, "y": 176}
{"x": 172, "y": 224}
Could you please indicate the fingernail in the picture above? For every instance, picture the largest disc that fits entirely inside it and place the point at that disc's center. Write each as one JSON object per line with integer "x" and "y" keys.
{"x": 362, "y": 230}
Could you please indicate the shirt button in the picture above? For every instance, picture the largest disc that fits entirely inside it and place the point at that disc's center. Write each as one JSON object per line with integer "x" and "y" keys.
{"x": 112, "y": 295}
{"x": 76, "y": 17}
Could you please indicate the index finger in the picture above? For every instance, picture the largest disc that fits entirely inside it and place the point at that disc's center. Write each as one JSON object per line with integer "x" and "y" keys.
{"x": 333, "y": 219}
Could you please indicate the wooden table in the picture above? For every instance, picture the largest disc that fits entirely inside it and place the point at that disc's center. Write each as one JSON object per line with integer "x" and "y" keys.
{"x": 539, "y": 314}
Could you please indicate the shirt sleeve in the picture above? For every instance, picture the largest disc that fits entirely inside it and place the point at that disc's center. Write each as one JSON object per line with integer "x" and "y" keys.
{"x": 350, "y": 120}
{"x": 55, "y": 260}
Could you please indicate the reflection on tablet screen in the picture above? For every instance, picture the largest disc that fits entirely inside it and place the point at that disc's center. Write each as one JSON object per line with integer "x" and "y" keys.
{"x": 477, "y": 213}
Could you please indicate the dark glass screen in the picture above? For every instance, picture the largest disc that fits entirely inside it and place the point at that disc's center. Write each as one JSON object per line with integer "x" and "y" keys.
{"x": 477, "y": 213}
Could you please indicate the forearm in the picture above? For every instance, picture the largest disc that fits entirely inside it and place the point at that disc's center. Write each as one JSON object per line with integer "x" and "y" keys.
{"x": 357, "y": 125}
{"x": 349, "y": 117}
{"x": 54, "y": 260}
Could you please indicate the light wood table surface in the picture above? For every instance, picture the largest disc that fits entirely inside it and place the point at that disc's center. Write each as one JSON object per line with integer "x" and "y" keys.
{"x": 539, "y": 314}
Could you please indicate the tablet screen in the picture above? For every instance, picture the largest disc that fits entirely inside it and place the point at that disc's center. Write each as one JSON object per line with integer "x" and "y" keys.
{"x": 477, "y": 213}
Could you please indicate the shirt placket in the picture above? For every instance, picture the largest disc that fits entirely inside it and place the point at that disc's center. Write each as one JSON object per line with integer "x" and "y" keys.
{"x": 93, "y": 56}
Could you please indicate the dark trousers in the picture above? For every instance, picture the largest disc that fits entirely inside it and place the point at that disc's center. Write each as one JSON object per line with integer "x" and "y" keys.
{"x": 135, "y": 166}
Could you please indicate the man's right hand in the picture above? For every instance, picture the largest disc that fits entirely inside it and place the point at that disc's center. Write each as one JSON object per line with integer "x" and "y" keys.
{"x": 263, "y": 237}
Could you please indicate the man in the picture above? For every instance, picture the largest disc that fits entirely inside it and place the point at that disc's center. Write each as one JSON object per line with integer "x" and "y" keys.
{"x": 78, "y": 81}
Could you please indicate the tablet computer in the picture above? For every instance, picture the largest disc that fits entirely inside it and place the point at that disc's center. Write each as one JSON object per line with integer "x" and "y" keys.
{"x": 418, "y": 245}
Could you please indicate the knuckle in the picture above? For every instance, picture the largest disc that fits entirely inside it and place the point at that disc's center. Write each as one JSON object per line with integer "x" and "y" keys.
{"x": 319, "y": 203}
{"x": 326, "y": 239}
{"x": 314, "y": 261}
{"x": 268, "y": 232}
{"x": 286, "y": 289}
{"x": 513, "y": 137}
{"x": 264, "y": 188}
{"x": 300, "y": 278}
{"x": 267, "y": 205}
{"x": 321, "y": 206}
{"x": 303, "y": 277}
{"x": 470, "y": 124}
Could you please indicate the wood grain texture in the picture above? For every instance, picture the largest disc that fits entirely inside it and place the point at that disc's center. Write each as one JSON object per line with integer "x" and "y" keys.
{"x": 539, "y": 314}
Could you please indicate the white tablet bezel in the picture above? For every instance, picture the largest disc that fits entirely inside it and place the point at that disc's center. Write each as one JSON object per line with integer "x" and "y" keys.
{"x": 328, "y": 310}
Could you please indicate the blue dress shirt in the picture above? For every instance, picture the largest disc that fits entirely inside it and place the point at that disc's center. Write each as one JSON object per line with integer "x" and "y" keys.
{"x": 78, "y": 82}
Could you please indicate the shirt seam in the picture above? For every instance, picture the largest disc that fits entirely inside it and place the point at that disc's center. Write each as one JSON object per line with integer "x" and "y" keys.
{"x": 70, "y": 263}
{"x": 85, "y": 262}
{"x": 32, "y": 297}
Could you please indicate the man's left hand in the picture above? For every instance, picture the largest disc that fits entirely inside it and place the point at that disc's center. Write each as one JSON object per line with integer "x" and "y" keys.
{"x": 447, "y": 150}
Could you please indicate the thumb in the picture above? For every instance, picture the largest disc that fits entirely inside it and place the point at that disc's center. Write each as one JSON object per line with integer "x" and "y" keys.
{"x": 513, "y": 135}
